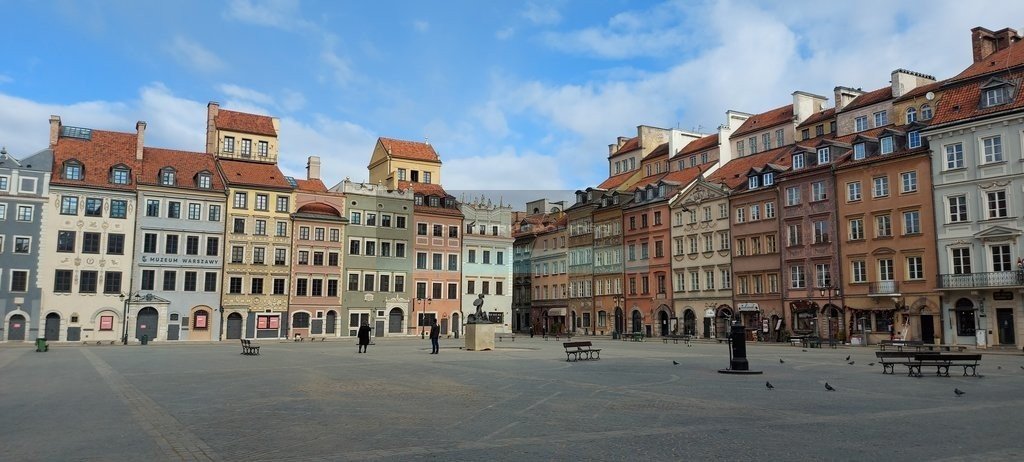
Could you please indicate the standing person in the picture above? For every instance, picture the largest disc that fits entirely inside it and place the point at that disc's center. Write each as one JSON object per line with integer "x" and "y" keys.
{"x": 435, "y": 333}
{"x": 364, "y": 337}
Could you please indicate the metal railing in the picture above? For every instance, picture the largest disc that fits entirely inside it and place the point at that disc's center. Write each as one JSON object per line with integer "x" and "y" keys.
{"x": 883, "y": 288}
{"x": 972, "y": 280}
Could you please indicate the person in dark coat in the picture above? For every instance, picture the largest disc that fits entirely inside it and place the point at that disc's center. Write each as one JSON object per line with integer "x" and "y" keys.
{"x": 435, "y": 333}
{"x": 364, "y": 337}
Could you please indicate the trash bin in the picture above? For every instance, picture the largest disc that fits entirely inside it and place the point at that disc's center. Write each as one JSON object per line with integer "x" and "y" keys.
{"x": 145, "y": 339}
{"x": 41, "y": 345}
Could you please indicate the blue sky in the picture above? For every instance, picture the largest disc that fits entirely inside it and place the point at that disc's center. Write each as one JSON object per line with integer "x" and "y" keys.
{"x": 513, "y": 94}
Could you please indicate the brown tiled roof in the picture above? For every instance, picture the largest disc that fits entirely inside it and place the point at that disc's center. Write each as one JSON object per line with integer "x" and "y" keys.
{"x": 410, "y": 150}
{"x": 311, "y": 185}
{"x": 648, "y": 180}
{"x": 819, "y": 116}
{"x": 919, "y": 91}
{"x": 1008, "y": 58}
{"x": 698, "y": 145}
{"x": 98, "y": 155}
{"x": 614, "y": 181}
{"x": 734, "y": 173}
{"x": 319, "y": 208}
{"x": 245, "y": 123}
{"x": 258, "y": 174}
{"x": 631, "y": 144}
{"x": 426, "y": 209}
{"x": 686, "y": 175}
{"x": 765, "y": 120}
{"x": 963, "y": 102}
{"x": 427, "y": 189}
{"x": 869, "y": 98}
{"x": 186, "y": 165}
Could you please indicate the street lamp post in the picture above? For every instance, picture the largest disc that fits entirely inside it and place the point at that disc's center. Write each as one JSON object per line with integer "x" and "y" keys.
{"x": 618, "y": 319}
{"x": 829, "y": 291}
{"x": 423, "y": 312}
{"x": 127, "y": 298}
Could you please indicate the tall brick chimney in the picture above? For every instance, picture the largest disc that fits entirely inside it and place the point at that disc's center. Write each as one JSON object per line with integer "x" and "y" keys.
{"x": 54, "y": 130}
{"x": 844, "y": 95}
{"x": 313, "y": 168}
{"x": 211, "y": 127}
{"x": 140, "y": 138}
{"x": 985, "y": 42}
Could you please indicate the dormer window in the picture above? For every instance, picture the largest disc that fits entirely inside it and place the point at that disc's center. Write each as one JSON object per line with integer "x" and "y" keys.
{"x": 72, "y": 170}
{"x": 994, "y": 97}
{"x": 435, "y": 201}
{"x": 752, "y": 182}
{"x": 887, "y": 145}
{"x": 167, "y": 176}
{"x": 650, "y": 193}
{"x": 204, "y": 180}
{"x": 768, "y": 179}
{"x": 824, "y": 156}
{"x": 120, "y": 175}
{"x": 859, "y": 151}
{"x": 911, "y": 115}
{"x": 914, "y": 139}
{"x": 798, "y": 161}
{"x": 661, "y": 191}
{"x": 926, "y": 112}
{"x": 579, "y": 198}
{"x": 638, "y": 196}
{"x": 419, "y": 200}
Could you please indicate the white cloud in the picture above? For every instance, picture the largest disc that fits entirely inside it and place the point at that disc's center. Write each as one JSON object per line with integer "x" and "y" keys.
{"x": 420, "y": 25}
{"x": 542, "y": 14}
{"x": 504, "y": 170}
{"x": 505, "y": 33}
{"x": 245, "y": 94}
{"x": 281, "y": 14}
{"x": 292, "y": 100}
{"x": 344, "y": 148}
{"x": 339, "y": 66}
{"x": 193, "y": 55}
{"x": 662, "y": 30}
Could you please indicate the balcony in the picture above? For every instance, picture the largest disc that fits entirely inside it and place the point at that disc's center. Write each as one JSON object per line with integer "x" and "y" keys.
{"x": 884, "y": 288}
{"x": 982, "y": 280}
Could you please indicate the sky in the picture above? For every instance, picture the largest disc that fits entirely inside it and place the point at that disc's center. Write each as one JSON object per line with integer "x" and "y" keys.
{"x": 514, "y": 95}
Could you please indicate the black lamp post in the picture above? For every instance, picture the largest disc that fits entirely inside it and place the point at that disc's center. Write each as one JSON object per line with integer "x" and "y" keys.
{"x": 126, "y": 298}
{"x": 828, "y": 291}
{"x": 423, "y": 312}
{"x": 618, "y": 318}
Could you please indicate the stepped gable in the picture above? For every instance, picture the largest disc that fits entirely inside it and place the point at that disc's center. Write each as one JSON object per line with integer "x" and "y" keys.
{"x": 245, "y": 123}
{"x": 734, "y": 173}
{"x": 186, "y": 164}
{"x": 255, "y": 174}
{"x": 765, "y": 120}
{"x": 98, "y": 155}
{"x": 411, "y": 150}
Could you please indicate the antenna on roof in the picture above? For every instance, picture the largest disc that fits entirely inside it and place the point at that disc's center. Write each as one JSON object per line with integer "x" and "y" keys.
{"x": 426, "y": 140}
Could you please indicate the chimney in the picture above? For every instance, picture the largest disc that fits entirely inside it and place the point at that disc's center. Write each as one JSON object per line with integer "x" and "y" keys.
{"x": 140, "y": 138}
{"x": 903, "y": 81}
{"x": 54, "y": 130}
{"x": 843, "y": 96}
{"x": 806, "y": 104}
{"x": 212, "y": 108}
{"x": 313, "y": 168}
{"x": 985, "y": 42}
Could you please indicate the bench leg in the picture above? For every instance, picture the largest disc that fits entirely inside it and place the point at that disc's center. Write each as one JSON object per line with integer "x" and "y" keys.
{"x": 888, "y": 368}
{"x": 974, "y": 370}
{"x": 942, "y": 371}
{"x": 913, "y": 370}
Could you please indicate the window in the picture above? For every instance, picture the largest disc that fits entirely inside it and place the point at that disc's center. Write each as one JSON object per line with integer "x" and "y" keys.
{"x": 915, "y": 268}
{"x": 303, "y": 257}
{"x": 793, "y": 235}
{"x": 853, "y": 191}
{"x": 820, "y": 232}
{"x": 957, "y": 209}
{"x": 238, "y": 226}
{"x": 282, "y": 229}
{"x": 115, "y": 244}
{"x": 148, "y": 279}
{"x": 332, "y": 287}
{"x": 212, "y": 246}
{"x": 818, "y": 191}
{"x": 881, "y": 118}
{"x": 167, "y": 176}
{"x": 195, "y": 211}
{"x": 752, "y": 182}
{"x": 881, "y": 186}
{"x": 262, "y": 148}
{"x": 996, "y": 204}
{"x": 278, "y": 288}
{"x": 301, "y": 287}
{"x": 823, "y": 275}
{"x": 819, "y": 129}
{"x": 246, "y": 148}
{"x": 262, "y": 202}
{"x": 859, "y": 151}
{"x": 911, "y": 115}
{"x": 994, "y": 97}
{"x": 303, "y": 233}
{"x": 741, "y": 215}
{"x": 118, "y": 208}
{"x": 885, "y": 270}
{"x": 796, "y": 277}
{"x": 780, "y": 137}
{"x": 282, "y": 204}
{"x": 88, "y": 282}
{"x": 72, "y": 171}
{"x": 768, "y": 179}
{"x": 170, "y": 280}
{"x": 961, "y": 260}
{"x": 739, "y": 148}
{"x": 149, "y": 243}
{"x": 210, "y": 282}
{"x": 453, "y": 262}
{"x": 3, "y": 212}
{"x": 426, "y": 179}
{"x": 91, "y": 242}
{"x": 792, "y": 195}
{"x": 93, "y": 207}
{"x": 19, "y": 281}
{"x": 908, "y": 182}
{"x": 237, "y": 254}
{"x": 256, "y": 286}
{"x": 993, "y": 149}
{"x": 798, "y": 161}
{"x": 281, "y": 256}
{"x": 438, "y": 230}
{"x": 119, "y": 175}
{"x": 912, "y": 222}
{"x": 171, "y": 244}
{"x": 856, "y": 226}
{"x": 766, "y": 141}
{"x": 1001, "y": 260}
{"x": 62, "y": 281}
{"x": 24, "y": 244}
{"x": 824, "y": 156}
{"x": 25, "y": 212}
{"x": 421, "y": 260}
{"x": 399, "y": 250}
{"x": 214, "y": 213}
{"x": 805, "y": 134}
{"x": 954, "y": 156}
{"x": 205, "y": 181}
{"x": 229, "y": 144}
{"x": 65, "y": 241}
{"x": 860, "y": 123}
{"x": 174, "y": 210}
{"x": 913, "y": 139}
{"x": 68, "y": 205}
{"x": 112, "y": 282}
{"x": 241, "y": 200}
{"x": 887, "y": 145}
{"x": 926, "y": 112}
{"x": 259, "y": 255}
{"x": 755, "y": 212}
{"x": 753, "y": 144}
{"x": 860, "y": 271}
{"x": 883, "y": 226}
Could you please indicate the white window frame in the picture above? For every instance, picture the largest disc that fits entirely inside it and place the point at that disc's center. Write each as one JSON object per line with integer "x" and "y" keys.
{"x": 992, "y": 150}
{"x": 954, "y": 156}
{"x": 853, "y": 191}
{"x": 908, "y": 182}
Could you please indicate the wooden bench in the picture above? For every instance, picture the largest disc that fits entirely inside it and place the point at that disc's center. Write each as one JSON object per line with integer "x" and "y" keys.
{"x": 916, "y": 345}
{"x": 575, "y": 351}
{"x": 632, "y": 336}
{"x": 812, "y": 342}
{"x": 676, "y": 339}
{"x": 504, "y": 336}
{"x": 942, "y": 363}
{"x": 890, "y": 359}
{"x": 250, "y": 348}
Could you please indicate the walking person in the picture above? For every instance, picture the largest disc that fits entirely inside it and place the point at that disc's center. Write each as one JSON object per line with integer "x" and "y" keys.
{"x": 435, "y": 333}
{"x": 364, "y": 337}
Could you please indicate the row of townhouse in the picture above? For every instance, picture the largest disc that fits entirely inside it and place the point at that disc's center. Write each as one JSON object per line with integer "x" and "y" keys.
{"x": 889, "y": 214}
{"x": 105, "y": 239}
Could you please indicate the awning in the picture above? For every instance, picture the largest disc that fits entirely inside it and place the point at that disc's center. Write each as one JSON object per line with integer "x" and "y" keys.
{"x": 556, "y": 312}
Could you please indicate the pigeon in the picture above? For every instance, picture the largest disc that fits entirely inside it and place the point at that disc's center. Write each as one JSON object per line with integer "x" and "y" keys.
{"x": 675, "y": 363}
{"x": 1022, "y": 367}
{"x": 781, "y": 361}
{"x": 999, "y": 367}
{"x": 848, "y": 357}
{"x": 871, "y": 364}
{"x": 769, "y": 385}
{"x": 829, "y": 387}
{"x": 851, "y": 362}
{"x": 959, "y": 392}
{"x": 805, "y": 351}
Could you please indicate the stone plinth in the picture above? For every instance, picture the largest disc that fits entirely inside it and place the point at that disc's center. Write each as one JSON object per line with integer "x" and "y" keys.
{"x": 480, "y": 337}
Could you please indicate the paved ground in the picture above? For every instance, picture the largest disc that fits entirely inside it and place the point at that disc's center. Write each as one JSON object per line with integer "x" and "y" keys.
{"x": 322, "y": 401}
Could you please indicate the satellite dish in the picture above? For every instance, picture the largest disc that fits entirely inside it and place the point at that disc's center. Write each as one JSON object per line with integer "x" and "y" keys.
{"x": 929, "y": 96}
{"x": 821, "y": 107}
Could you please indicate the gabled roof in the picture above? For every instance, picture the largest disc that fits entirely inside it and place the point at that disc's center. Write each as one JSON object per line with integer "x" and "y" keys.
{"x": 256, "y": 174}
{"x": 964, "y": 101}
{"x": 869, "y": 98}
{"x": 615, "y": 180}
{"x": 186, "y": 166}
{"x": 733, "y": 174}
{"x": 411, "y": 150}
{"x": 631, "y": 144}
{"x": 314, "y": 185}
{"x": 765, "y": 120}
{"x": 819, "y": 116}
{"x": 245, "y": 123}
{"x": 98, "y": 155}
{"x": 997, "y": 232}
{"x": 685, "y": 176}
{"x": 698, "y": 145}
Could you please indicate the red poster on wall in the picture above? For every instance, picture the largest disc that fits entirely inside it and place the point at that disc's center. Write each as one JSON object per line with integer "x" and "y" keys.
{"x": 200, "y": 321}
{"x": 261, "y": 322}
{"x": 274, "y": 322}
{"x": 106, "y": 323}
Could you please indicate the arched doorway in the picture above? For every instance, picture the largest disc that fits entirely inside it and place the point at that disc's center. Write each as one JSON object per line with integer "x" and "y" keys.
{"x": 663, "y": 322}
{"x": 332, "y": 319}
{"x": 722, "y": 321}
{"x": 689, "y": 323}
{"x": 835, "y": 321}
{"x": 455, "y": 324}
{"x": 620, "y": 322}
{"x": 638, "y": 321}
{"x": 234, "y": 330}
{"x": 395, "y": 318}
{"x": 52, "y": 329}
{"x": 146, "y": 323}
{"x": 16, "y": 328}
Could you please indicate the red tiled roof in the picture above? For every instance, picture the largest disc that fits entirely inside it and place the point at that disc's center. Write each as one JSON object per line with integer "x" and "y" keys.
{"x": 311, "y": 185}
{"x": 186, "y": 165}
{"x": 426, "y": 209}
{"x": 410, "y": 150}
{"x": 661, "y": 150}
{"x": 962, "y": 102}
{"x": 245, "y": 123}
{"x": 319, "y": 208}
{"x": 919, "y": 91}
{"x": 685, "y": 176}
{"x": 98, "y": 155}
{"x": 614, "y": 181}
{"x": 258, "y": 174}
{"x": 734, "y": 173}
{"x": 631, "y": 144}
{"x": 765, "y": 120}
{"x": 648, "y": 180}
{"x": 1002, "y": 60}
{"x": 427, "y": 189}
{"x": 819, "y": 116}
{"x": 869, "y": 98}
{"x": 707, "y": 142}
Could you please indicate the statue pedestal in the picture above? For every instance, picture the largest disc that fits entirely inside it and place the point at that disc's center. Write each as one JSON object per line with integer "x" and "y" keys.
{"x": 480, "y": 337}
